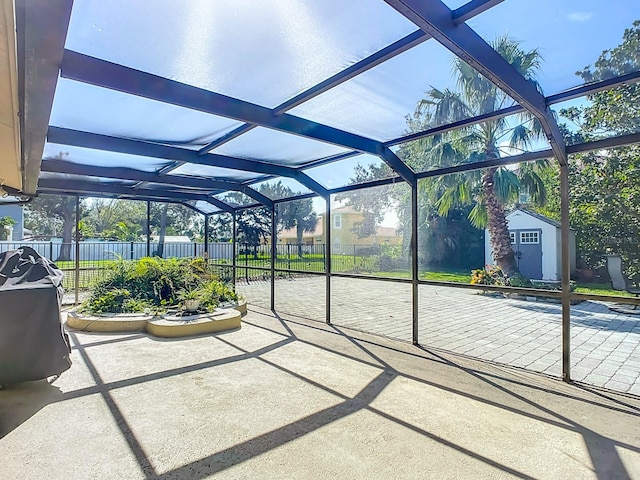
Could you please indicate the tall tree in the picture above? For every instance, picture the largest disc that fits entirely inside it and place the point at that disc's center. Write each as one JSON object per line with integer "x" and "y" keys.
{"x": 163, "y": 228}
{"x": 298, "y": 214}
{"x": 254, "y": 224}
{"x": 123, "y": 220}
{"x": 173, "y": 219}
{"x": 60, "y": 207}
{"x": 220, "y": 228}
{"x": 254, "y": 227}
{"x": 449, "y": 242}
{"x": 604, "y": 204}
{"x": 491, "y": 190}
{"x": 372, "y": 203}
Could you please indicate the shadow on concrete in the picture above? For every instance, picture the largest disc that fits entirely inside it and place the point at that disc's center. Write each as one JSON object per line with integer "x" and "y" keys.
{"x": 22, "y": 401}
{"x": 368, "y": 351}
{"x": 602, "y": 450}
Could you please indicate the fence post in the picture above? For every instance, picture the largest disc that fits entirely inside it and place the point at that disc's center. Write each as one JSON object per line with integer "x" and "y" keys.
{"x": 354, "y": 257}
{"x": 206, "y": 236}
{"x": 51, "y": 251}
{"x": 324, "y": 255}
{"x": 415, "y": 335}
{"x": 289, "y": 256}
{"x": 234, "y": 250}
{"x": 131, "y": 255}
{"x": 327, "y": 258}
{"x": 274, "y": 253}
{"x": 77, "y": 262}
{"x": 148, "y": 228}
{"x": 566, "y": 273}
{"x": 195, "y": 249}
{"x": 246, "y": 262}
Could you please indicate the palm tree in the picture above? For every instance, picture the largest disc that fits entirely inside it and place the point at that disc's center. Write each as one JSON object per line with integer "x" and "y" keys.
{"x": 494, "y": 188}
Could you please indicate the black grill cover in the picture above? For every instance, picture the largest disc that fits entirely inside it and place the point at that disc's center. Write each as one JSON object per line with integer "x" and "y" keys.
{"x": 33, "y": 344}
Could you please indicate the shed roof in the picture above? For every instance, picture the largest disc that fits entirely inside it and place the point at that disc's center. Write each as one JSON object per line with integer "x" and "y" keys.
{"x": 538, "y": 216}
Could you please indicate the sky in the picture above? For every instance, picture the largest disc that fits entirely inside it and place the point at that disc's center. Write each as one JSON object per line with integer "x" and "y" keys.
{"x": 569, "y": 34}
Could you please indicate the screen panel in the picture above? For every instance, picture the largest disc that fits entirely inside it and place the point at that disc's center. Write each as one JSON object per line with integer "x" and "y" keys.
{"x": 212, "y": 45}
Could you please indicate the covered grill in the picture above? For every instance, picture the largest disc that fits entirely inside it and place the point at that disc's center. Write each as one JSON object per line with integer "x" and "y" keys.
{"x": 33, "y": 344}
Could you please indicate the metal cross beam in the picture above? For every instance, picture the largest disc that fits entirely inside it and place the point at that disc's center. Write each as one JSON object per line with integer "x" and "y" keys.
{"x": 576, "y": 92}
{"x": 62, "y": 166}
{"x": 44, "y": 191}
{"x": 84, "y": 68}
{"x": 396, "y": 48}
{"x": 88, "y": 188}
{"x": 462, "y": 14}
{"x": 473, "y": 8}
{"x": 96, "y": 141}
{"x": 435, "y": 18}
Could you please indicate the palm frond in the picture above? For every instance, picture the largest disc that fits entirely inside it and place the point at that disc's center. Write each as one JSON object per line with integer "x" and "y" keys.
{"x": 446, "y": 201}
{"x": 506, "y": 185}
{"x": 478, "y": 215}
{"x": 450, "y": 107}
{"x": 531, "y": 181}
{"x": 521, "y": 137}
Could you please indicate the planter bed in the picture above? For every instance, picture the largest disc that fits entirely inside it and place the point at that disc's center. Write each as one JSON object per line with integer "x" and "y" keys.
{"x": 169, "y": 325}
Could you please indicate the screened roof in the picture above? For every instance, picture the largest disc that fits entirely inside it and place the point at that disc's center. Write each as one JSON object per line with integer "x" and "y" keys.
{"x": 226, "y": 105}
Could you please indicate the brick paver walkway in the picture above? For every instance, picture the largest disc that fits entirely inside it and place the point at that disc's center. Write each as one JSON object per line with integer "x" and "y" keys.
{"x": 605, "y": 344}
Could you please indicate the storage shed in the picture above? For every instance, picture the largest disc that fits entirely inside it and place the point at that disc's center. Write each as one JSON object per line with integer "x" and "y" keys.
{"x": 536, "y": 241}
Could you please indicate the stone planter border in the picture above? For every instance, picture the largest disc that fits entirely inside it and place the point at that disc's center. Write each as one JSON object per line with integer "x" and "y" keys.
{"x": 168, "y": 326}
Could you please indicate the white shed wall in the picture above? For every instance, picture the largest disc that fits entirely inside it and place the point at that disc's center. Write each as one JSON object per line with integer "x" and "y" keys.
{"x": 551, "y": 242}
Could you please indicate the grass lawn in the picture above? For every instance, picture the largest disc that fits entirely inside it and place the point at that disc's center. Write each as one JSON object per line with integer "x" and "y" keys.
{"x": 600, "y": 289}
{"x": 65, "y": 265}
{"x": 458, "y": 277}
{"x": 92, "y": 270}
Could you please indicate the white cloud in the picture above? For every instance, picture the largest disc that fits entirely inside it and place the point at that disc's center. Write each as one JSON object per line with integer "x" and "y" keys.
{"x": 579, "y": 16}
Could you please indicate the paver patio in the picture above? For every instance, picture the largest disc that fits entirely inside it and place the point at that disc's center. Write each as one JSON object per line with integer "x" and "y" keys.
{"x": 605, "y": 344}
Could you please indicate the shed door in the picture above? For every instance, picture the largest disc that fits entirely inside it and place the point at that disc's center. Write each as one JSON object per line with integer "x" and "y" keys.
{"x": 527, "y": 245}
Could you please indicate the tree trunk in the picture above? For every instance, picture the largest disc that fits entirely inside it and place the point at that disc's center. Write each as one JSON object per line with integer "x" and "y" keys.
{"x": 67, "y": 237}
{"x": 163, "y": 229}
{"x": 498, "y": 228}
{"x": 299, "y": 235}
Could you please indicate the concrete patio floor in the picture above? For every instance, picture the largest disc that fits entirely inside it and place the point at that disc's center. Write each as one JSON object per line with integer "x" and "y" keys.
{"x": 605, "y": 345}
{"x": 299, "y": 399}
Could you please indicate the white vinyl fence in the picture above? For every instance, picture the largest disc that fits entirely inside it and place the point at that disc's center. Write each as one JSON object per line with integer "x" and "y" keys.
{"x": 96, "y": 251}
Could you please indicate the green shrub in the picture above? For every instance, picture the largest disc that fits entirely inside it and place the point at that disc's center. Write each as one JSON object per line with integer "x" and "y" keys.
{"x": 214, "y": 293}
{"x": 108, "y": 300}
{"x": 490, "y": 275}
{"x": 519, "y": 280}
{"x": 154, "y": 283}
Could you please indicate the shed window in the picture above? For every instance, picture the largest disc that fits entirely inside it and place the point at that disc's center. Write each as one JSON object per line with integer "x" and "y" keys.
{"x": 512, "y": 238}
{"x": 529, "y": 237}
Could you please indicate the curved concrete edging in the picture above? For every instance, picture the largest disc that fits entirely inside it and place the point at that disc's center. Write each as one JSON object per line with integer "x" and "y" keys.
{"x": 241, "y": 307}
{"x": 112, "y": 323}
{"x": 168, "y": 326}
{"x": 218, "y": 321}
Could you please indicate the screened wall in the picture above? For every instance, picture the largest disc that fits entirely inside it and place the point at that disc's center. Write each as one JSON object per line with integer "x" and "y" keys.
{"x": 361, "y": 157}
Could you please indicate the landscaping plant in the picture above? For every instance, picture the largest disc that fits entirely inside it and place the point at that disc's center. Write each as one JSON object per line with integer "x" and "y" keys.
{"x": 156, "y": 284}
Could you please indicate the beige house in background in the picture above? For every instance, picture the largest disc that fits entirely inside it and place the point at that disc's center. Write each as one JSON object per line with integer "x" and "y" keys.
{"x": 289, "y": 236}
{"x": 343, "y": 220}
